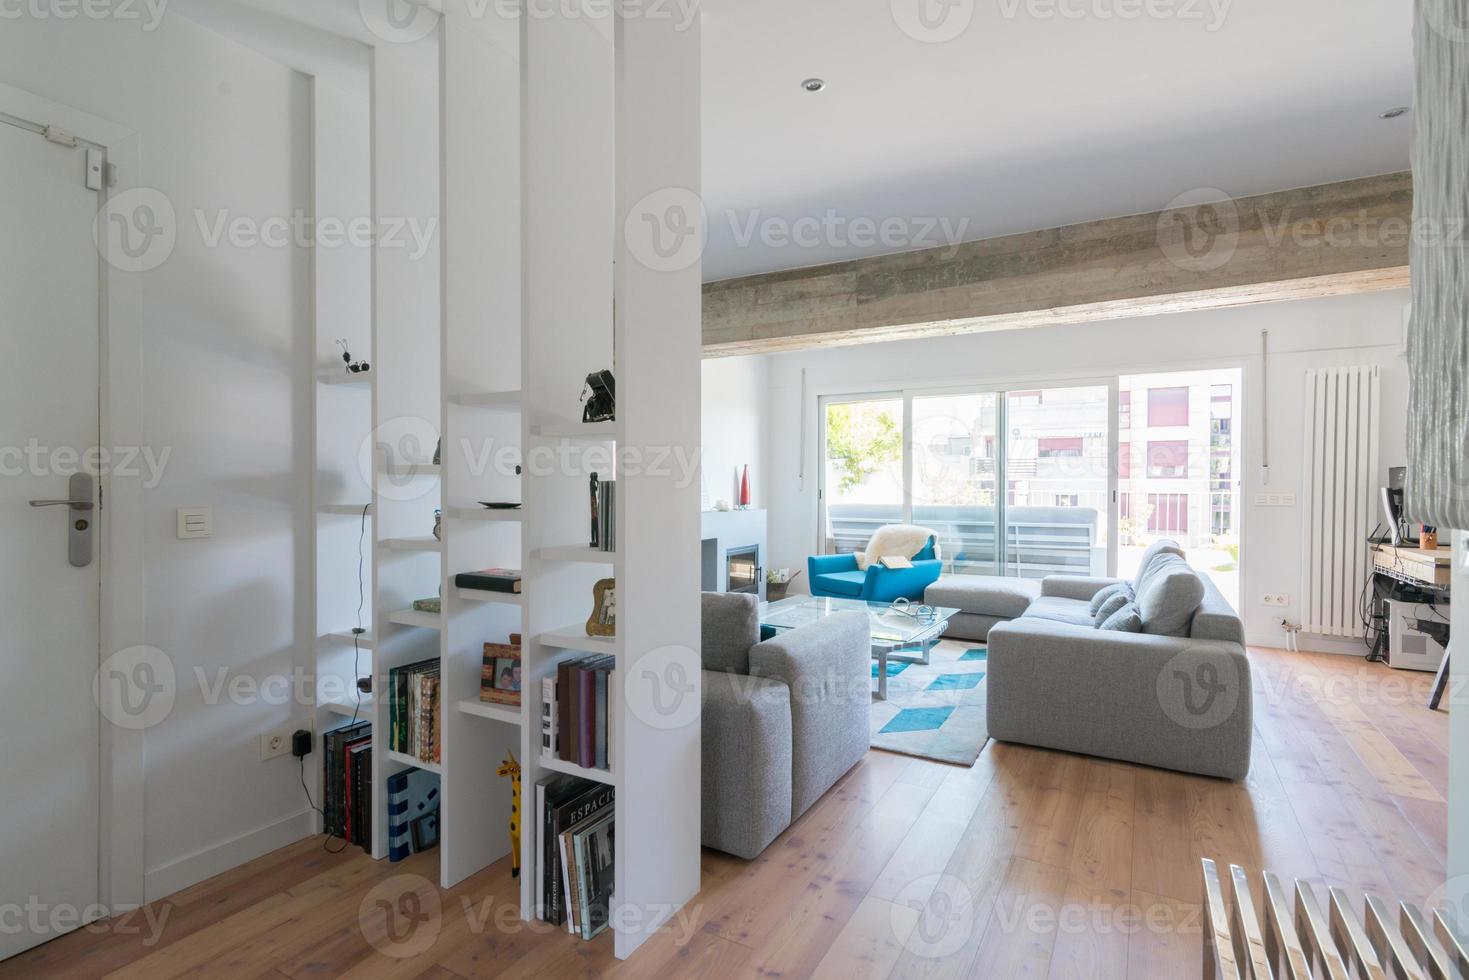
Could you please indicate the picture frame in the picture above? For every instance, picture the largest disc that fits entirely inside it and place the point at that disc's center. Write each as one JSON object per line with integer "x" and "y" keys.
{"x": 603, "y": 621}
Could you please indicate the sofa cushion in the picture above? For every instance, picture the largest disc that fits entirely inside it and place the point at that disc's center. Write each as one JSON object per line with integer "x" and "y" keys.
{"x": 1163, "y": 546}
{"x": 731, "y": 626}
{"x": 1169, "y": 597}
{"x": 843, "y": 583}
{"x": 1116, "y": 601}
{"x": 1127, "y": 619}
{"x": 984, "y": 595}
{"x": 1076, "y": 612}
{"x": 1103, "y": 596}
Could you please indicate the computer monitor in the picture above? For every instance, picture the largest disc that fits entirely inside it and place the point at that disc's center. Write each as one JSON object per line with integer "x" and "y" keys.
{"x": 1392, "y": 508}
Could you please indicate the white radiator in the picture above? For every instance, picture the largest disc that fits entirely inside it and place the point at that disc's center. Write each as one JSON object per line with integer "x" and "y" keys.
{"x": 1340, "y": 498}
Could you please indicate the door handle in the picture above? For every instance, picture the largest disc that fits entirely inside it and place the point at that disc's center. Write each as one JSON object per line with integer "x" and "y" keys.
{"x": 81, "y": 496}
{"x": 73, "y": 504}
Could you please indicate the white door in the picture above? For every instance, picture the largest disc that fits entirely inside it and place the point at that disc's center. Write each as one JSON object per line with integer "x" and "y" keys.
{"x": 49, "y": 607}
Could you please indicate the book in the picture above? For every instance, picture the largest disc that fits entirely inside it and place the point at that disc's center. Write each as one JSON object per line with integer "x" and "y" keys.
{"x": 335, "y": 773}
{"x": 567, "y": 803}
{"x": 490, "y": 580}
{"x": 569, "y": 888}
{"x": 593, "y": 859}
{"x": 434, "y": 605}
{"x": 896, "y": 561}
{"x": 412, "y": 794}
{"x": 548, "y": 718}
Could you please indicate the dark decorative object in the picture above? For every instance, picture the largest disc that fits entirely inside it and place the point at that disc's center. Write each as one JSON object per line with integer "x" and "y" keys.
{"x": 499, "y": 505}
{"x": 425, "y": 831}
{"x": 600, "y": 397}
{"x": 364, "y": 684}
{"x": 438, "y": 446}
{"x": 438, "y": 525}
{"x": 353, "y": 367}
{"x": 603, "y": 621}
{"x": 596, "y": 537}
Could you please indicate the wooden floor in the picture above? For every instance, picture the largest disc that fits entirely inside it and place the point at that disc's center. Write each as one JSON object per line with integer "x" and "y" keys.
{"x": 1031, "y": 863}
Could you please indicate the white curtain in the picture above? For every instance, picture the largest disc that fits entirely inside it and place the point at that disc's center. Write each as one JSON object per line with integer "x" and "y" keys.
{"x": 1438, "y": 337}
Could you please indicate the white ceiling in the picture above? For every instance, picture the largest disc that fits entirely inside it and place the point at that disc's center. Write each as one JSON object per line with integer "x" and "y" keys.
{"x": 1027, "y": 121}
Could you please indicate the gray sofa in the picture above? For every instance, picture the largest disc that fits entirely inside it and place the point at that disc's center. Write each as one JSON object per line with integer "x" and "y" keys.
{"x": 783, "y": 719}
{"x": 1171, "y": 689}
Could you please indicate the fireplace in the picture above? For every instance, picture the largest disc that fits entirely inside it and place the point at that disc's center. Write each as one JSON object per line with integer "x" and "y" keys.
{"x": 743, "y": 565}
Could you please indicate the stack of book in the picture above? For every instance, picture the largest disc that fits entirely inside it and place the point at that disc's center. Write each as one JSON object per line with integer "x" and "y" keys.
{"x": 607, "y": 515}
{"x": 433, "y": 606}
{"x": 413, "y": 711}
{"x": 574, "y": 711}
{"x": 491, "y": 580}
{"x": 574, "y": 859}
{"x": 347, "y": 783}
{"x": 413, "y": 812}
{"x": 499, "y": 681}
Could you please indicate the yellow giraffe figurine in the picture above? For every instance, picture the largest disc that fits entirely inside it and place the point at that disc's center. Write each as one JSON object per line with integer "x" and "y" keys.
{"x": 510, "y": 767}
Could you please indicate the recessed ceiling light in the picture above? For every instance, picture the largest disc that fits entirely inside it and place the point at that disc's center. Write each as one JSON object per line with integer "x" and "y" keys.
{"x": 1394, "y": 113}
{"x": 813, "y": 84}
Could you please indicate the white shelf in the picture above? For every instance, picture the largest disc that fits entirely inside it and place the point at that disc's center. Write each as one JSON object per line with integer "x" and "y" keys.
{"x": 603, "y": 776}
{"x": 425, "y": 543}
{"x": 575, "y": 638}
{"x": 424, "y": 470}
{"x": 505, "y": 515}
{"x": 588, "y": 431}
{"x": 343, "y": 379}
{"x": 347, "y": 510}
{"x": 486, "y": 709}
{"x": 364, "y": 640}
{"x": 583, "y": 554}
{"x": 412, "y": 617}
{"x": 346, "y": 707}
{"x": 486, "y": 595}
{"x": 505, "y": 401}
{"x": 409, "y": 760}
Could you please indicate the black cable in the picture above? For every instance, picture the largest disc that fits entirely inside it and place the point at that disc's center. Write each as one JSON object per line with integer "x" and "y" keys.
{"x": 327, "y": 842}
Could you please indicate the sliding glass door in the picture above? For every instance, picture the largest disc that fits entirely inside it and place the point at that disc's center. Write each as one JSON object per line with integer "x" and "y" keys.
{"x": 940, "y": 458}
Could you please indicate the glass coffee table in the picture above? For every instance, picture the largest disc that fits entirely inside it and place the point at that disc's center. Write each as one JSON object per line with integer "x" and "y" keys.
{"x": 902, "y": 633}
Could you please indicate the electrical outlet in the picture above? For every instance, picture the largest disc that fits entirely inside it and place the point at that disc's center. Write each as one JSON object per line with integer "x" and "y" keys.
{"x": 1277, "y": 599}
{"x": 277, "y": 742}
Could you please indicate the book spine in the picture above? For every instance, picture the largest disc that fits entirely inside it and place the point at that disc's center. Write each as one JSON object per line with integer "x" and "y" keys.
{"x": 599, "y": 726}
{"x": 548, "y": 717}
{"x": 565, "y": 713}
{"x": 586, "y": 707}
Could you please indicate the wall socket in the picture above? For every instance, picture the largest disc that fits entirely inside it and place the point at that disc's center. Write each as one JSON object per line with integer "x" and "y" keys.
{"x": 277, "y": 742}
{"x": 1277, "y": 599}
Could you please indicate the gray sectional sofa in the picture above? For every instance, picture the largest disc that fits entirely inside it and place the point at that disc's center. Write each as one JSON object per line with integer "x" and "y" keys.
{"x": 1167, "y": 684}
{"x": 783, "y": 719}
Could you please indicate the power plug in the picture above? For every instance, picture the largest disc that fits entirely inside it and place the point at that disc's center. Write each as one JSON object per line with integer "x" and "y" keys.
{"x": 301, "y": 743}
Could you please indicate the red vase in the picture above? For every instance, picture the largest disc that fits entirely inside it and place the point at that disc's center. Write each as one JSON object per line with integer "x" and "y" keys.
{"x": 745, "y": 487}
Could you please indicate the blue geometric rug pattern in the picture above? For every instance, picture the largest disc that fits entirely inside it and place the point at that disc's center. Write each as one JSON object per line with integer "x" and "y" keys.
{"x": 936, "y": 711}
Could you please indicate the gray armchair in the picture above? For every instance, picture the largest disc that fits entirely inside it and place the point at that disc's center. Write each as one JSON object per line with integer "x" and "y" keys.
{"x": 783, "y": 719}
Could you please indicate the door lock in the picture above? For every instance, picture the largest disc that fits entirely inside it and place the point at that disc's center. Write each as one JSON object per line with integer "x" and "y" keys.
{"x": 81, "y": 497}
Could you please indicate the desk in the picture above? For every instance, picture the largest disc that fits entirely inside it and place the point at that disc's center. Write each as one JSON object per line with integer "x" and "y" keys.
{"x": 1431, "y": 571}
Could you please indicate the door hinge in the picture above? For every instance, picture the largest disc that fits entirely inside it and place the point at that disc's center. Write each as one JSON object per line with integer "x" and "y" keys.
{"x": 60, "y": 137}
{"x": 96, "y": 170}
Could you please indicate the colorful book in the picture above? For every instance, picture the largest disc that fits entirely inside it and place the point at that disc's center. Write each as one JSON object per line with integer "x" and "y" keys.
{"x": 592, "y": 857}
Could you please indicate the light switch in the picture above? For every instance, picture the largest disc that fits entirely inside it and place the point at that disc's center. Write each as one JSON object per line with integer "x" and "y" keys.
{"x": 195, "y": 522}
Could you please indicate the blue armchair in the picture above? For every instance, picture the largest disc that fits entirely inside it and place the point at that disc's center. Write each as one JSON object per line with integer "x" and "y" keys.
{"x": 838, "y": 577}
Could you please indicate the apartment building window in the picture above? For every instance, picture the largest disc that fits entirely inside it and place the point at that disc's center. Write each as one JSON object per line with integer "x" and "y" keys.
{"x": 1167, "y": 406}
{"x": 1124, "y": 461}
{"x": 1169, "y": 514}
{"x": 1055, "y": 448}
{"x": 1168, "y": 459}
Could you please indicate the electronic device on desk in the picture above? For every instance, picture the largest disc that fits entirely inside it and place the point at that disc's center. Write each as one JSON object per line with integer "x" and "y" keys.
{"x": 1417, "y": 634}
{"x": 1392, "y": 508}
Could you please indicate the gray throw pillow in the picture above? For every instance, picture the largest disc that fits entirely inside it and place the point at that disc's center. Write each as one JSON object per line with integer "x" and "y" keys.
{"x": 1103, "y": 594}
{"x": 1170, "y": 597}
{"x": 1156, "y": 550}
{"x": 1125, "y": 620}
{"x": 1115, "y": 602}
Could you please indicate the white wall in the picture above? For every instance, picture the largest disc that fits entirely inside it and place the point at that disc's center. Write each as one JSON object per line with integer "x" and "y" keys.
{"x": 226, "y": 354}
{"x": 736, "y": 422}
{"x": 1339, "y": 331}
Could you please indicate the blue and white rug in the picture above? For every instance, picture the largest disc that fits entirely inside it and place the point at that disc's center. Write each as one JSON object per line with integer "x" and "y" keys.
{"x": 937, "y": 710}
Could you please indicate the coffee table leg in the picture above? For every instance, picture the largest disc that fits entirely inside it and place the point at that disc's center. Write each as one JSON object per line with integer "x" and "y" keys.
{"x": 882, "y": 674}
